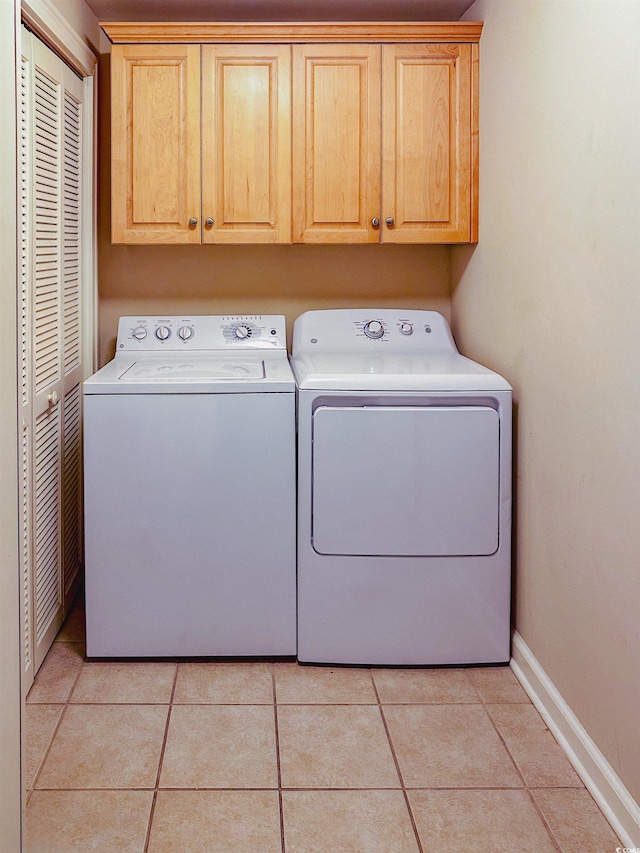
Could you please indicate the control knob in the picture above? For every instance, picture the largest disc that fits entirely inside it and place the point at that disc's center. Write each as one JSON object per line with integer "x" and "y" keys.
{"x": 242, "y": 332}
{"x": 163, "y": 333}
{"x": 139, "y": 333}
{"x": 406, "y": 328}
{"x": 374, "y": 329}
{"x": 185, "y": 333}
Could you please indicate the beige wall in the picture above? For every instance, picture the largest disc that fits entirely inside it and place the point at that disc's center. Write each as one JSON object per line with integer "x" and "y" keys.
{"x": 257, "y": 279}
{"x": 551, "y": 298}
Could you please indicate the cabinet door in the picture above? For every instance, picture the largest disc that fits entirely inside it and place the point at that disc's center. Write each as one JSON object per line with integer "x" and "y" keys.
{"x": 336, "y": 143}
{"x": 427, "y": 143}
{"x": 246, "y": 143}
{"x": 155, "y": 143}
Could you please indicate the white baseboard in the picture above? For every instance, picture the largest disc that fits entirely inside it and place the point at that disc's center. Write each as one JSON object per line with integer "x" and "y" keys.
{"x": 616, "y": 803}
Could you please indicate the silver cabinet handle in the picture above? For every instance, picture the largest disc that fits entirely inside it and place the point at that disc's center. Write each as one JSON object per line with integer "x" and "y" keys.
{"x": 390, "y": 221}
{"x": 208, "y": 222}
{"x": 375, "y": 222}
{"x": 193, "y": 222}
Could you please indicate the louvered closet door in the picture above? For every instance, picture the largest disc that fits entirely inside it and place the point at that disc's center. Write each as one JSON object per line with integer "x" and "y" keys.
{"x": 51, "y": 352}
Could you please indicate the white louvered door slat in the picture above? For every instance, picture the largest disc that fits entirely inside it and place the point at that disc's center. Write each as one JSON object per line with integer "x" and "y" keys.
{"x": 48, "y": 222}
{"x": 71, "y": 245}
{"x": 51, "y": 343}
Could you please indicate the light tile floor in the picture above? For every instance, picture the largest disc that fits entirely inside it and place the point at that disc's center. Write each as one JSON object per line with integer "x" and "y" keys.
{"x": 173, "y": 757}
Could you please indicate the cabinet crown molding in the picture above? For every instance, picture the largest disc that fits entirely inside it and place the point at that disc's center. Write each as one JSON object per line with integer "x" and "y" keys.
{"x": 222, "y": 32}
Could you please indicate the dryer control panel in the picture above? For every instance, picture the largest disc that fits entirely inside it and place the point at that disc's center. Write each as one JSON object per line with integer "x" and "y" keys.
{"x": 365, "y": 330}
{"x": 184, "y": 332}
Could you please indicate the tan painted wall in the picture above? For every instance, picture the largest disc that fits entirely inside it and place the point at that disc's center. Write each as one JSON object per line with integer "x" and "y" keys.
{"x": 551, "y": 298}
{"x": 257, "y": 279}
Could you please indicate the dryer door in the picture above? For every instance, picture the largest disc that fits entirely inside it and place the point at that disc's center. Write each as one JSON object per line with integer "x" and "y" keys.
{"x": 405, "y": 480}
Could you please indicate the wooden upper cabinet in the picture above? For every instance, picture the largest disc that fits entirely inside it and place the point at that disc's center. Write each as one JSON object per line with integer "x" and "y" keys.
{"x": 155, "y": 143}
{"x": 336, "y": 143}
{"x": 429, "y": 138}
{"x": 246, "y": 143}
{"x": 328, "y": 133}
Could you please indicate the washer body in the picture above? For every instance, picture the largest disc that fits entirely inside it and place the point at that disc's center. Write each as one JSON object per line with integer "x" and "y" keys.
{"x": 404, "y": 493}
{"x": 189, "y": 455}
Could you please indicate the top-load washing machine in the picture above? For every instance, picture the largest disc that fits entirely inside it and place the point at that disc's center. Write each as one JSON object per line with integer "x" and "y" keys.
{"x": 189, "y": 454}
{"x": 404, "y": 493}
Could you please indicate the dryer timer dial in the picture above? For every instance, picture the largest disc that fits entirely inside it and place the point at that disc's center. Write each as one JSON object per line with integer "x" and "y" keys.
{"x": 374, "y": 329}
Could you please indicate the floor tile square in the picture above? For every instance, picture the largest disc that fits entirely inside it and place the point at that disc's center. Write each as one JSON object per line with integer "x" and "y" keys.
{"x": 323, "y": 685}
{"x": 224, "y": 684}
{"x": 497, "y": 684}
{"x": 445, "y": 746}
{"x": 136, "y": 683}
{"x": 334, "y": 746}
{"x": 58, "y": 673}
{"x": 216, "y": 822}
{"x": 577, "y": 823}
{"x": 414, "y": 686}
{"x": 495, "y": 821}
{"x": 220, "y": 746}
{"x": 82, "y": 821}
{"x": 347, "y": 822}
{"x": 39, "y": 724}
{"x": 106, "y": 746}
{"x": 533, "y": 747}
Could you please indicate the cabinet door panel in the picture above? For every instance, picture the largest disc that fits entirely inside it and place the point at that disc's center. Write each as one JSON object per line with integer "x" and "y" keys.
{"x": 246, "y": 147}
{"x": 155, "y": 147}
{"x": 336, "y": 143}
{"x": 427, "y": 125}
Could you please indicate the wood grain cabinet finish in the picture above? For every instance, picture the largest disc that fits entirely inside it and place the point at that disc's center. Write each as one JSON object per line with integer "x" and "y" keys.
{"x": 415, "y": 101}
{"x": 315, "y": 142}
{"x": 427, "y": 142}
{"x": 246, "y": 144}
{"x": 155, "y": 143}
{"x": 201, "y": 146}
{"x": 336, "y": 143}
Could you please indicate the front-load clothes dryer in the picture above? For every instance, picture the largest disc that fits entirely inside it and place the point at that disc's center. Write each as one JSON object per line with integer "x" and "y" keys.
{"x": 189, "y": 453}
{"x": 404, "y": 493}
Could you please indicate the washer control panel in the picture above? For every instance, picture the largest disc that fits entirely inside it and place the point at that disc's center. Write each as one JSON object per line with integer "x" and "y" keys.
{"x": 181, "y": 333}
{"x": 354, "y": 330}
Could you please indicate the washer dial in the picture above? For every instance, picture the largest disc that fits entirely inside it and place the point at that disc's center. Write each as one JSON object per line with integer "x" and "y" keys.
{"x": 242, "y": 332}
{"x": 406, "y": 329}
{"x": 185, "y": 333}
{"x": 374, "y": 329}
{"x": 139, "y": 333}
{"x": 163, "y": 333}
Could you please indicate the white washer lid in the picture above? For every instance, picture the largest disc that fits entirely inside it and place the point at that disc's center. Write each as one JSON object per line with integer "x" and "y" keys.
{"x": 197, "y": 369}
{"x": 188, "y": 373}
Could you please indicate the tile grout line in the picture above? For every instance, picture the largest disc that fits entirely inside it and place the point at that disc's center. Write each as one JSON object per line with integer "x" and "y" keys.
{"x": 515, "y": 763}
{"x": 275, "y": 714}
{"x": 65, "y": 704}
{"x": 162, "y": 751}
{"x": 397, "y": 764}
